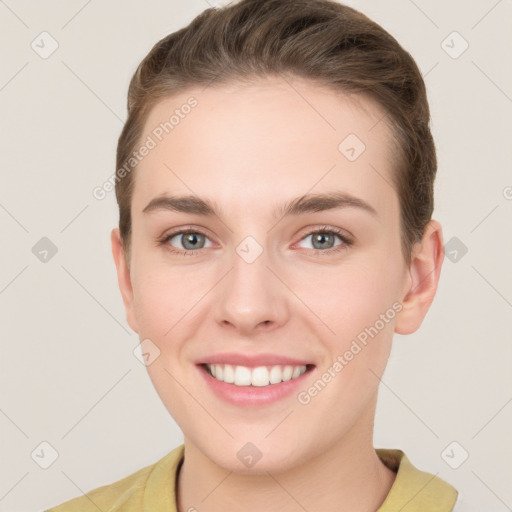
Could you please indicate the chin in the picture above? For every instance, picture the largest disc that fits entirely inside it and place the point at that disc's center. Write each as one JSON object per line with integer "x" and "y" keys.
{"x": 256, "y": 457}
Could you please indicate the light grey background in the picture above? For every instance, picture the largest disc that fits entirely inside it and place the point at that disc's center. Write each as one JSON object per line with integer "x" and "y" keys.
{"x": 68, "y": 373}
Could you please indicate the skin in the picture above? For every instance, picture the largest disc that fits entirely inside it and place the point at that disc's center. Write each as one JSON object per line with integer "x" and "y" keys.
{"x": 250, "y": 149}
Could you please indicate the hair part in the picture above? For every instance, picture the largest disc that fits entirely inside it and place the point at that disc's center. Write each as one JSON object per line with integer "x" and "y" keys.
{"x": 323, "y": 41}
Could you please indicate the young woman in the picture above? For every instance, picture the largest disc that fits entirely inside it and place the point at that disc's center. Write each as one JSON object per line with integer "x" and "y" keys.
{"x": 275, "y": 187}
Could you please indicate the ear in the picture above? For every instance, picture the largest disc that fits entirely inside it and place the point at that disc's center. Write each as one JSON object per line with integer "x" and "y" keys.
{"x": 424, "y": 272}
{"x": 123, "y": 277}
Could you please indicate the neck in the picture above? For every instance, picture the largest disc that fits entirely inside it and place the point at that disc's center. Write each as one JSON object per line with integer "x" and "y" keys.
{"x": 347, "y": 476}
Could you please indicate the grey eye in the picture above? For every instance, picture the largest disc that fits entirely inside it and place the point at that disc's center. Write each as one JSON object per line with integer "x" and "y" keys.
{"x": 322, "y": 240}
{"x": 191, "y": 240}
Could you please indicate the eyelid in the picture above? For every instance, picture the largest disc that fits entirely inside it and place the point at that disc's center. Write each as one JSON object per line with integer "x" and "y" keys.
{"x": 324, "y": 228}
{"x": 164, "y": 239}
{"x": 347, "y": 239}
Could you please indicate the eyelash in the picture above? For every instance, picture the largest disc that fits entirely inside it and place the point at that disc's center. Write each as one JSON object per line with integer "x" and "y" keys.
{"x": 347, "y": 242}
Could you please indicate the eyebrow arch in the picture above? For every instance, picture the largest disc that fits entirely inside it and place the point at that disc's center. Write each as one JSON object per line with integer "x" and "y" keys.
{"x": 308, "y": 203}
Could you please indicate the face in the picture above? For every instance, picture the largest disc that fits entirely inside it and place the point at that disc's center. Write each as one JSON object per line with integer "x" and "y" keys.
{"x": 266, "y": 235}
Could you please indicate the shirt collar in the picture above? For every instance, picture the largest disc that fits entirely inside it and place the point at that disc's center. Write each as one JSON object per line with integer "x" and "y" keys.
{"x": 414, "y": 490}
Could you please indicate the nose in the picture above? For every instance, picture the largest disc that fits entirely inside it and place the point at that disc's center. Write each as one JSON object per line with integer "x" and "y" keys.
{"x": 251, "y": 299}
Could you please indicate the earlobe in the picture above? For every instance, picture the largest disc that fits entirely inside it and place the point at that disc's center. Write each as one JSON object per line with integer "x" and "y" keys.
{"x": 123, "y": 277}
{"x": 424, "y": 273}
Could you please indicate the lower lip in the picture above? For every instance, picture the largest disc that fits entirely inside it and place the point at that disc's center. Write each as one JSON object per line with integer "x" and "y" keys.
{"x": 249, "y": 396}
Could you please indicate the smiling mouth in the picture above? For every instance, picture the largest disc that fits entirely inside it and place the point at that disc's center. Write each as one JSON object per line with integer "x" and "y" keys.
{"x": 259, "y": 376}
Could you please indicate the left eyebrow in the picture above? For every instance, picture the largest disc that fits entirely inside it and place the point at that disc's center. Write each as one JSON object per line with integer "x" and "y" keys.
{"x": 308, "y": 203}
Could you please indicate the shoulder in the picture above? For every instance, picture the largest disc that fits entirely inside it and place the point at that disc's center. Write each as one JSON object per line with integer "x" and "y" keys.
{"x": 109, "y": 497}
{"x": 125, "y": 495}
{"x": 414, "y": 489}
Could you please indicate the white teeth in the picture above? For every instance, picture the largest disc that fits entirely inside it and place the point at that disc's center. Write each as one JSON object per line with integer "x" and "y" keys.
{"x": 258, "y": 376}
{"x": 242, "y": 376}
{"x": 275, "y": 375}
{"x": 296, "y": 372}
{"x": 229, "y": 374}
{"x": 287, "y": 373}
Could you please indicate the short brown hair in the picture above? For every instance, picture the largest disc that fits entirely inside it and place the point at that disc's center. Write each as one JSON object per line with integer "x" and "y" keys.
{"x": 321, "y": 40}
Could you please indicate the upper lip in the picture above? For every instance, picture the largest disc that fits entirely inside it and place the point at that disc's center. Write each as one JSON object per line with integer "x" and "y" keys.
{"x": 253, "y": 360}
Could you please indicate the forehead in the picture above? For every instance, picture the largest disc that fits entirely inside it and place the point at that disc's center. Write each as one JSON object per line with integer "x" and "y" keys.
{"x": 273, "y": 138}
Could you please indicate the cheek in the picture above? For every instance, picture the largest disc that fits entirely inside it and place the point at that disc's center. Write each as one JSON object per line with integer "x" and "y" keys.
{"x": 150, "y": 306}
{"x": 350, "y": 296}
{"x": 170, "y": 306}
{"x": 163, "y": 313}
{"x": 160, "y": 301}
{"x": 357, "y": 304}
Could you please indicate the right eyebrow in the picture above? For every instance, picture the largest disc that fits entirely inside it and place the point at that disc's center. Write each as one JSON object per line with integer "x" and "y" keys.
{"x": 185, "y": 204}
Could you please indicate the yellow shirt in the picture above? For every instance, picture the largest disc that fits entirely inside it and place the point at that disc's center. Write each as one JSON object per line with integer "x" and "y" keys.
{"x": 148, "y": 489}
